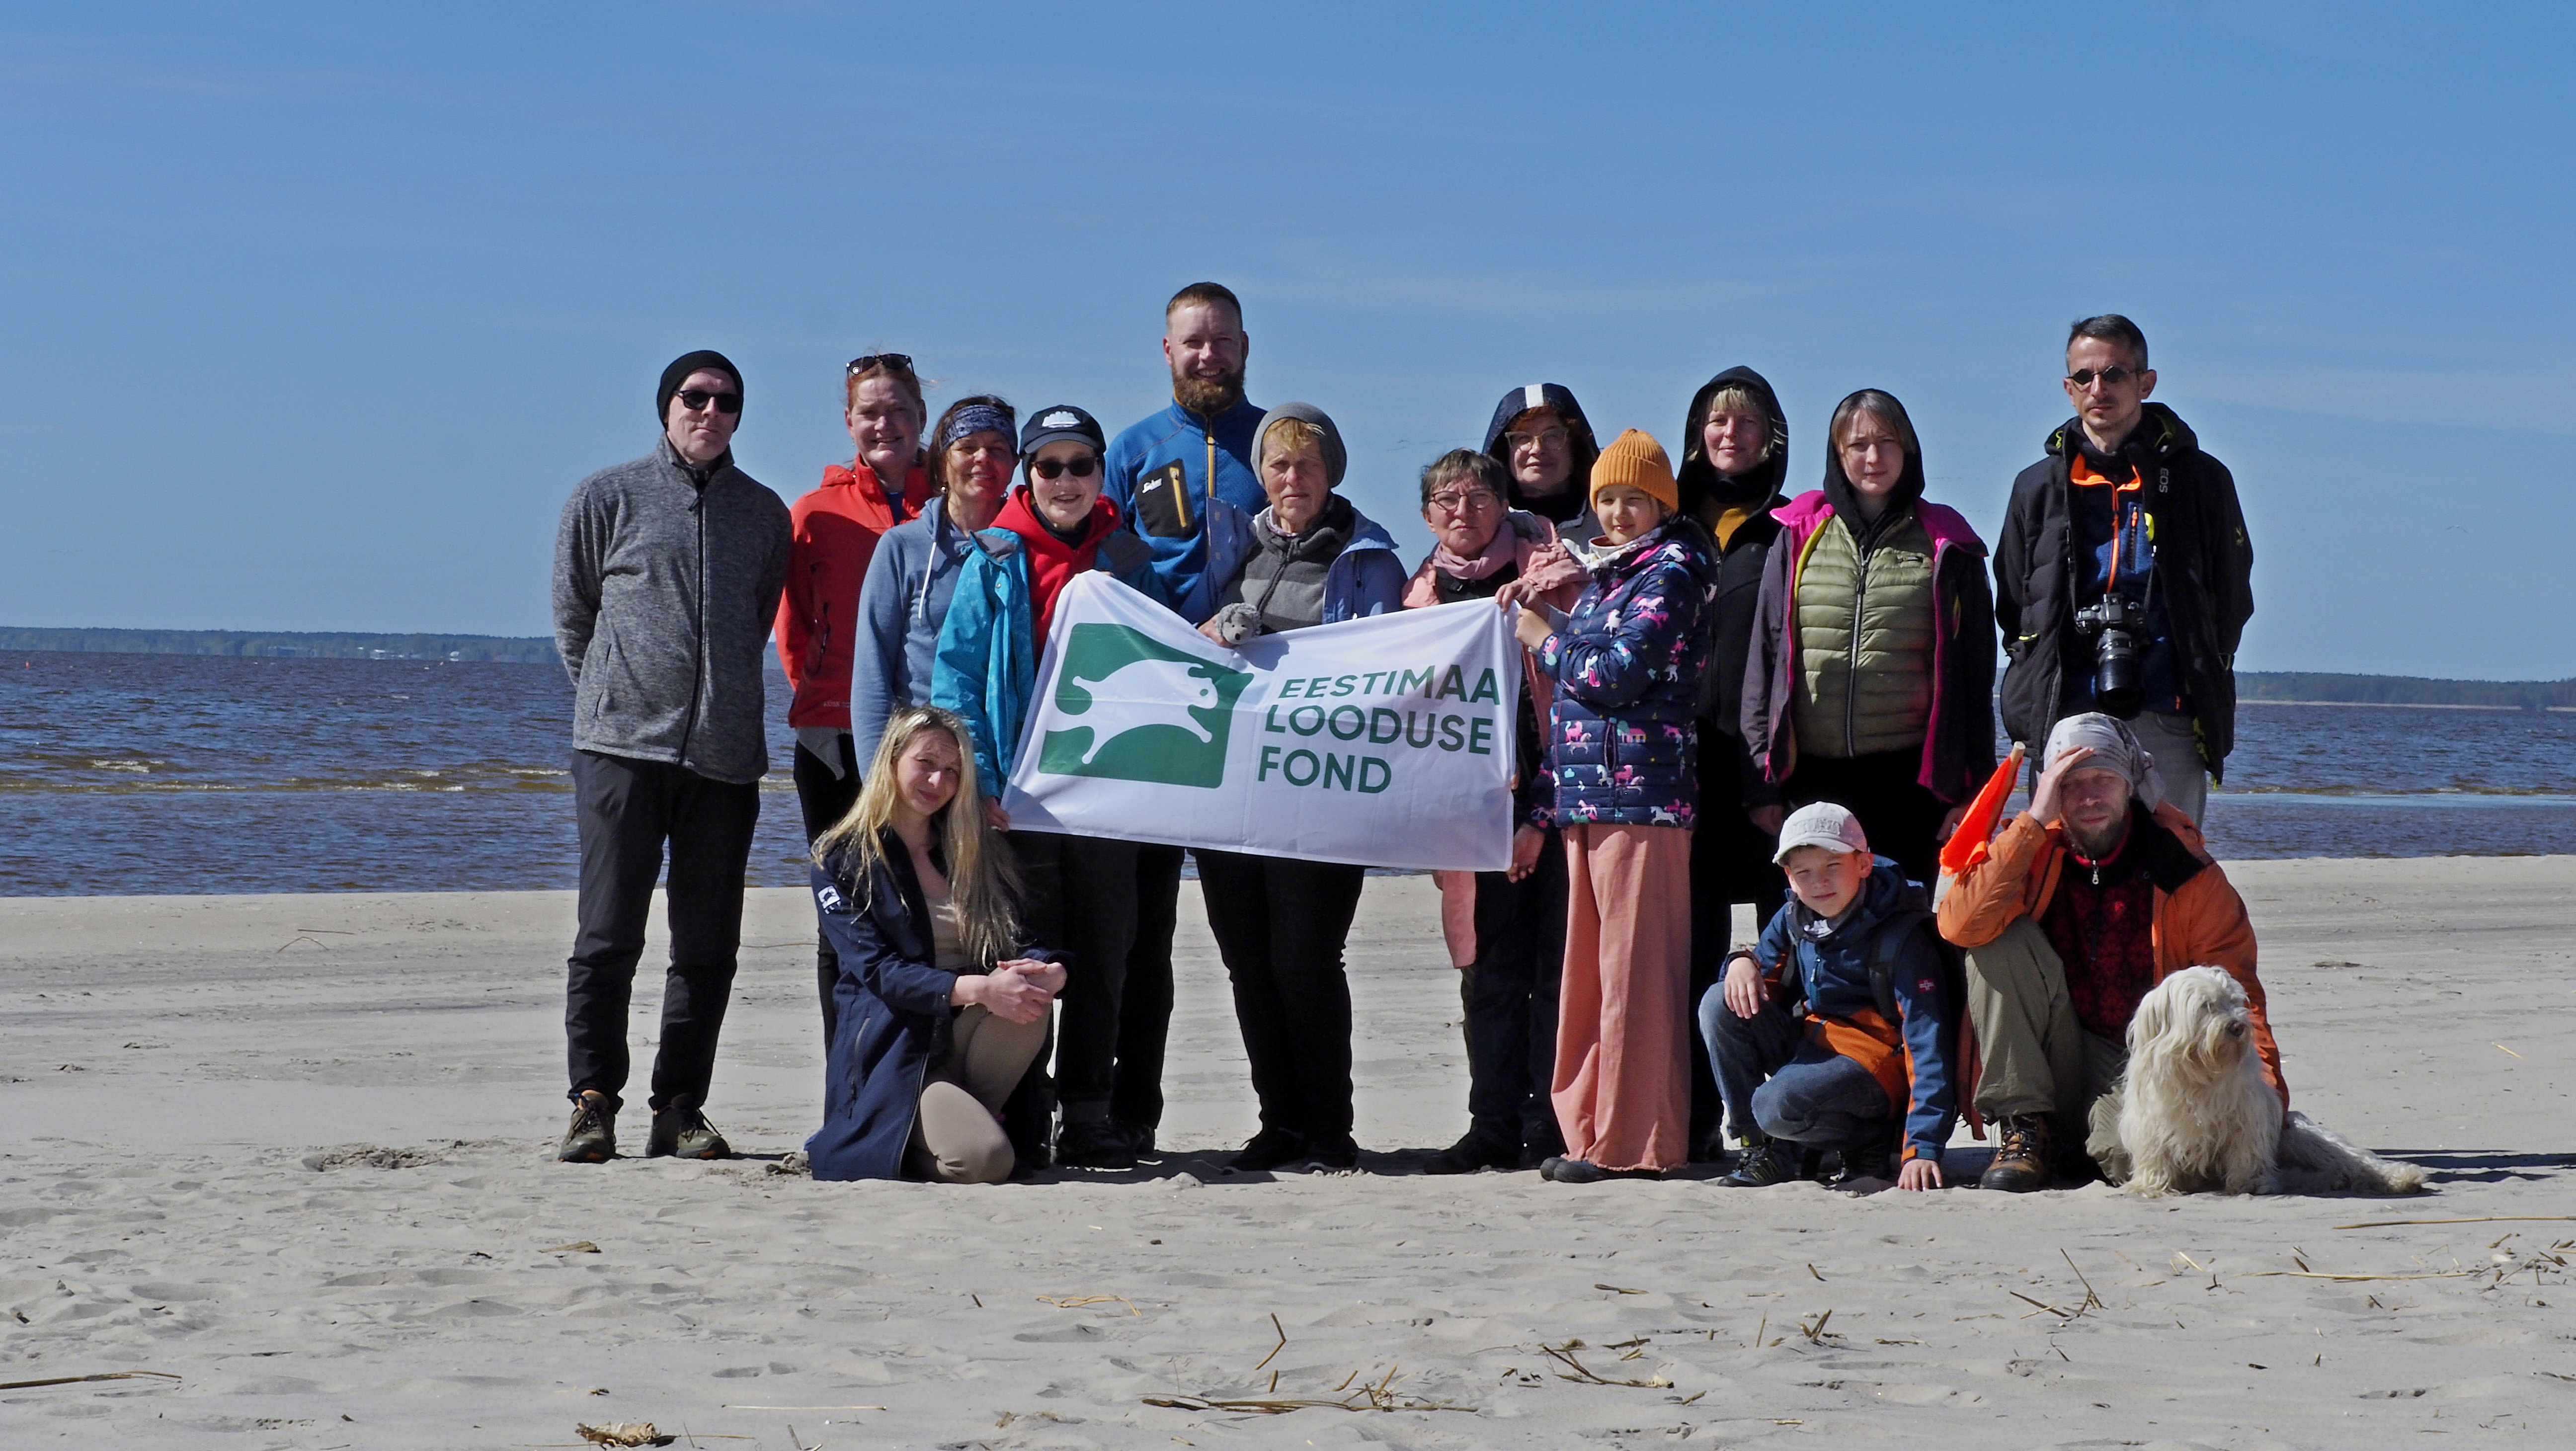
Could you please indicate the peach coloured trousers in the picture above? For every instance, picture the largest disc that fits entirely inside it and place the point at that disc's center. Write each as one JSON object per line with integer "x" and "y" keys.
{"x": 1622, "y": 1086}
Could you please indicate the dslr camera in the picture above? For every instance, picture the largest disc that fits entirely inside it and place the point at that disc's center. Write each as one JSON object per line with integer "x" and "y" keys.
{"x": 2118, "y": 631}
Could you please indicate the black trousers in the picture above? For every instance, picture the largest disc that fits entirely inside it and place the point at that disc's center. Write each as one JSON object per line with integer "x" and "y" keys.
{"x": 628, "y": 810}
{"x": 824, "y": 799}
{"x": 1145, "y": 1005}
{"x": 1280, "y": 924}
{"x": 1900, "y": 815}
{"x": 1100, "y": 890}
{"x": 1509, "y": 992}
{"x": 1730, "y": 863}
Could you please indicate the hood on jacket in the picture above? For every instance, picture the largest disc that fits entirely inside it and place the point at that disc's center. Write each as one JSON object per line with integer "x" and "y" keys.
{"x": 1700, "y": 481}
{"x": 1846, "y": 500}
{"x": 1336, "y": 458}
{"x": 2161, "y": 435}
{"x": 1583, "y": 448}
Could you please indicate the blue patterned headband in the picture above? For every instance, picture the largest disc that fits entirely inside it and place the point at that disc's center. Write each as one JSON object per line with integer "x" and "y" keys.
{"x": 974, "y": 418}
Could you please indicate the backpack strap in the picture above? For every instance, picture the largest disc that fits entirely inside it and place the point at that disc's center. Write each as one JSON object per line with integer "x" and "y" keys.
{"x": 1893, "y": 933}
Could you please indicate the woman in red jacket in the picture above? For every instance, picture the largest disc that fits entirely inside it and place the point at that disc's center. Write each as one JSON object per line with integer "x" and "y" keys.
{"x": 837, "y": 528}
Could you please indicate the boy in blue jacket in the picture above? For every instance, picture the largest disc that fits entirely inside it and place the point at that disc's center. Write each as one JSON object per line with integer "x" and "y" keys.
{"x": 1868, "y": 1040}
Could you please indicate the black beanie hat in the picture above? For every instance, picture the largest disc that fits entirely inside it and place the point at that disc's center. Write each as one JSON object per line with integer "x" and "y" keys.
{"x": 679, "y": 371}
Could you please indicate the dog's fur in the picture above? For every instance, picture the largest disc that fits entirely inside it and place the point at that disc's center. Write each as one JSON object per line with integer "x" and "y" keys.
{"x": 2192, "y": 1114}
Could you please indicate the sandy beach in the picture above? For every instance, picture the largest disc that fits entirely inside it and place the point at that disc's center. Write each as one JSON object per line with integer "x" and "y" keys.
{"x": 296, "y": 1152}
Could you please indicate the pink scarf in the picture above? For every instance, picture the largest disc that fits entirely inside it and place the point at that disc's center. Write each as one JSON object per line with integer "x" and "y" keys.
{"x": 1500, "y": 550}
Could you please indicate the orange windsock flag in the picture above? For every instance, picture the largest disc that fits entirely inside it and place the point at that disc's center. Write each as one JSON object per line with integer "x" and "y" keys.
{"x": 1967, "y": 846}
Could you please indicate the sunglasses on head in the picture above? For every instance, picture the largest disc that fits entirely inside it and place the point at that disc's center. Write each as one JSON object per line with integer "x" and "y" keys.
{"x": 694, "y": 399}
{"x": 2112, "y": 376}
{"x": 899, "y": 361}
{"x": 1053, "y": 468}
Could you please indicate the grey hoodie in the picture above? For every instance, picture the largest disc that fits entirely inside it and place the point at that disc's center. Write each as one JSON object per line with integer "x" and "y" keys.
{"x": 666, "y": 583}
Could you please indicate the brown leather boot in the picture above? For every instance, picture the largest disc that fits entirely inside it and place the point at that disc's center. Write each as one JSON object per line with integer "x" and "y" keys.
{"x": 2021, "y": 1155}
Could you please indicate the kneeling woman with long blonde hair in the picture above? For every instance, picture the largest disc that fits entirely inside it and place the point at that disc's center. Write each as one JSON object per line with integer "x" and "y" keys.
{"x": 938, "y": 1018}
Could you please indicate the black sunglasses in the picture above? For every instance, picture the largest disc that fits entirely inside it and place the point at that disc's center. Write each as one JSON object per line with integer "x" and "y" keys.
{"x": 2112, "y": 376}
{"x": 899, "y": 361}
{"x": 1050, "y": 468}
{"x": 694, "y": 399}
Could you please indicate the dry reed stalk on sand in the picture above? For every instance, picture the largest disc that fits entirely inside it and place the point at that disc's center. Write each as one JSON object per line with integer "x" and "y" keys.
{"x": 1375, "y": 1396}
{"x": 1585, "y": 1375}
{"x": 1274, "y": 1350}
{"x": 64, "y": 1380}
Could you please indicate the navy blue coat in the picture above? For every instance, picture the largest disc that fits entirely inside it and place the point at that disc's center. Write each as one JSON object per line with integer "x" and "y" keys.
{"x": 894, "y": 1016}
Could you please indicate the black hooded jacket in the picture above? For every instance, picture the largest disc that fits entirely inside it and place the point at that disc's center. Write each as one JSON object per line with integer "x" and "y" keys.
{"x": 1570, "y": 511}
{"x": 2204, "y": 572}
{"x": 1706, "y": 494}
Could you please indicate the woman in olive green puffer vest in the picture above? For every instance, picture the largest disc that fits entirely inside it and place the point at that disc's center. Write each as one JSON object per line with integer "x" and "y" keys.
{"x": 1871, "y": 678}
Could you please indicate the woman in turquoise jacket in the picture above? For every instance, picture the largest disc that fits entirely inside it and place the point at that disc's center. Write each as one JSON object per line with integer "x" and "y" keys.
{"x": 1082, "y": 892}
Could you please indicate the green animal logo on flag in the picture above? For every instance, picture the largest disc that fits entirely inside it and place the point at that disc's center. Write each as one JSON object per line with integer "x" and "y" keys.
{"x": 1135, "y": 709}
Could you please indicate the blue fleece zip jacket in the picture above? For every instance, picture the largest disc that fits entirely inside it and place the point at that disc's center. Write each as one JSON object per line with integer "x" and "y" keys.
{"x": 900, "y": 606}
{"x": 1833, "y": 976}
{"x": 987, "y": 666}
{"x": 1214, "y": 459}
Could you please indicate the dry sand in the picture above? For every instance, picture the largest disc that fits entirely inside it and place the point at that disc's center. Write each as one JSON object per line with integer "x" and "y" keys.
{"x": 295, "y": 1151}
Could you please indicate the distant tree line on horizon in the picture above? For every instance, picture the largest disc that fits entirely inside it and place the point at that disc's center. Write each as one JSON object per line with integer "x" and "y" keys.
{"x": 288, "y": 644}
{"x": 2275, "y": 685}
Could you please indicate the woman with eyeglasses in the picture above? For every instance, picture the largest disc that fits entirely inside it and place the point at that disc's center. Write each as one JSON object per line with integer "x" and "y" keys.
{"x": 1081, "y": 892}
{"x": 837, "y": 527}
{"x": 1505, "y": 930}
{"x": 1541, "y": 438}
{"x": 1870, "y": 679}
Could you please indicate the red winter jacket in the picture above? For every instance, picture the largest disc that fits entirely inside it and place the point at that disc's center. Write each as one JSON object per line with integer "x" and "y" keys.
{"x": 837, "y": 528}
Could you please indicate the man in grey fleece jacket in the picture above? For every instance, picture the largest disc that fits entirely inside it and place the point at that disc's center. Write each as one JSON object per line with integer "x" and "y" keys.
{"x": 667, "y": 576}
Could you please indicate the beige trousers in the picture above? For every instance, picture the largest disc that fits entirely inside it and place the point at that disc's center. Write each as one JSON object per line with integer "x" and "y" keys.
{"x": 957, "y": 1136}
{"x": 1622, "y": 1089}
{"x": 2037, "y": 1057}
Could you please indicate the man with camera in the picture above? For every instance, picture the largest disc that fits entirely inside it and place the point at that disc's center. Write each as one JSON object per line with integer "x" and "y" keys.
{"x": 2123, "y": 578}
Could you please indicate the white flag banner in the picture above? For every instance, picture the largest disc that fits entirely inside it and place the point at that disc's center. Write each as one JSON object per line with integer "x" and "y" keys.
{"x": 1384, "y": 741}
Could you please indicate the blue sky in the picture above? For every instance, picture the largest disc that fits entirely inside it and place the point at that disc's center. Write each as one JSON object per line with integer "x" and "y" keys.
{"x": 318, "y": 312}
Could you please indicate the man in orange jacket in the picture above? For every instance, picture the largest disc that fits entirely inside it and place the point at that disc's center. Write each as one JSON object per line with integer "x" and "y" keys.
{"x": 2082, "y": 905}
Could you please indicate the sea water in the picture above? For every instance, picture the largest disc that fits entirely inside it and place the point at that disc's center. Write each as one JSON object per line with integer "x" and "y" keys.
{"x": 160, "y": 774}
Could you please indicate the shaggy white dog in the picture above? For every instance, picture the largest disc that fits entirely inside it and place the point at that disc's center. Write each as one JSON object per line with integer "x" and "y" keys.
{"x": 2193, "y": 1114}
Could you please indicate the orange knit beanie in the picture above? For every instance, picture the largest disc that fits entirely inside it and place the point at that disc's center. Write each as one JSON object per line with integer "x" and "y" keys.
{"x": 1635, "y": 459}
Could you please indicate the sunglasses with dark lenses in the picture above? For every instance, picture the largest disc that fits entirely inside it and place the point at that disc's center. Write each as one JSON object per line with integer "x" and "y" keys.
{"x": 694, "y": 399}
{"x": 2112, "y": 376}
{"x": 898, "y": 361}
{"x": 1053, "y": 468}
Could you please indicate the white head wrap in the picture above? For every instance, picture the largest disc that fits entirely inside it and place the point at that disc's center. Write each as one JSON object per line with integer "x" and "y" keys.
{"x": 2115, "y": 748}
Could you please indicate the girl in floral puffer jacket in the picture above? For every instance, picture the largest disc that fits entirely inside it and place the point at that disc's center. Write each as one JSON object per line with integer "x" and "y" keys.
{"x": 1622, "y": 751}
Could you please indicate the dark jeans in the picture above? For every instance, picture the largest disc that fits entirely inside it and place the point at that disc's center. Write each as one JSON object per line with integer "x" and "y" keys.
{"x": 824, "y": 800}
{"x": 1280, "y": 925}
{"x": 1510, "y": 997}
{"x": 1776, "y": 1079}
{"x": 1730, "y": 863}
{"x": 628, "y": 810}
{"x": 1899, "y": 814}
{"x": 1102, "y": 887}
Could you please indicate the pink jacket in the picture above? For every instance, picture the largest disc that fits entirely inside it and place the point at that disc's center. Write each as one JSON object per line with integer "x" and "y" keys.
{"x": 1560, "y": 580}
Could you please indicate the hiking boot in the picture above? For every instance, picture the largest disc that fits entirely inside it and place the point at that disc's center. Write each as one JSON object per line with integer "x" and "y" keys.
{"x": 1269, "y": 1149}
{"x": 681, "y": 1132}
{"x": 1094, "y": 1146}
{"x": 1339, "y": 1152}
{"x": 1562, "y": 1170}
{"x": 2021, "y": 1155}
{"x": 592, "y": 1138}
{"x": 1472, "y": 1153}
{"x": 1766, "y": 1161}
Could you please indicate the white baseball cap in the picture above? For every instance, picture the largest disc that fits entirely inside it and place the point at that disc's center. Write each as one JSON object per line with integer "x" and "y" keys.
{"x": 1823, "y": 824}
